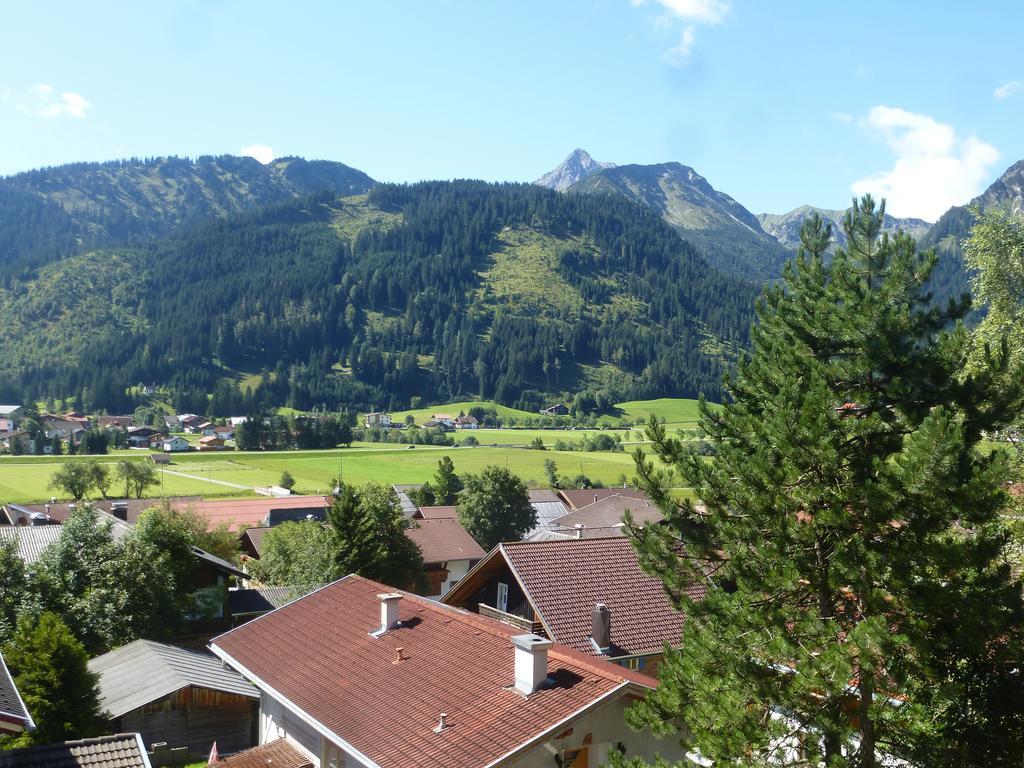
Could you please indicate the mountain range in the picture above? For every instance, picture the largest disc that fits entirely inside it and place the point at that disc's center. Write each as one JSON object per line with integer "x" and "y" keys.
{"x": 306, "y": 283}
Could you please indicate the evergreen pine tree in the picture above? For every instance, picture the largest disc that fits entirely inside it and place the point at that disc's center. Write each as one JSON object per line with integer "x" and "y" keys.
{"x": 50, "y": 670}
{"x": 850, "y": 523}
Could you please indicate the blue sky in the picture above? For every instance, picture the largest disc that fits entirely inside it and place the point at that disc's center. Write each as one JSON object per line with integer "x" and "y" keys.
{"x": 778, "y": 104}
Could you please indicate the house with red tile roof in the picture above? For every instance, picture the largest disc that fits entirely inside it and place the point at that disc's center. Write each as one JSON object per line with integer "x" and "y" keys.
{"x": 355, "y": 674}
{"x": 448, "y": 551}
{"x": 588, "y": 594}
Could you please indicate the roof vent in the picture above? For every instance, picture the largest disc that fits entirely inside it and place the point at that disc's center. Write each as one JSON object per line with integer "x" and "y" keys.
{"x": 531, "y": 662}
{"x": 442, "y": 723}
{"x": 601, "y": 628}
{"x": 389, "y": 602}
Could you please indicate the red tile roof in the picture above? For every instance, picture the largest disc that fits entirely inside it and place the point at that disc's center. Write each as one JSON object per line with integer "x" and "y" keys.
{"x": 246, "y": 513}
{"x": 437, "y": 513}
{"x": 564, "y": 580}
{"x": 444, "y": 539}
{"x": 317, "y": 652}
{"x": 581, "y": 498}
{"x": 274, "y": 754}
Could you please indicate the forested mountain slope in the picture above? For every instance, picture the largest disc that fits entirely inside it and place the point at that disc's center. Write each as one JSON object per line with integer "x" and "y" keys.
{"x": 51, "y": 213}
{"x": 948, "y": 233}
{"x": 435, "y": 290}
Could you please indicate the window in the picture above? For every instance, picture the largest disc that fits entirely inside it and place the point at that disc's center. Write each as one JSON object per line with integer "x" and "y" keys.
{"x": 502, "y": 597}
{"x": 332, "y": 756}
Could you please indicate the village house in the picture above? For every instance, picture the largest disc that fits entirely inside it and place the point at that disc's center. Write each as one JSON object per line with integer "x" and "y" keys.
{"x": 224, "y": 432}
{"x": 113, "y": 422}
{"x": 606, "y": 513}
{"x": 62, "y": 428}
{"x": 11, "y": 441}
{"x": 558, "y": 409}
{"x": 467, "y": 422}
{"x": 145, "y": 437}
{"x": 588, "y": 594}
{"x": 123, "y": 750}
{"x": 377, "y": 419}
{"x": 14, "y": 716}
{"x": 448, "y": 552}
{"x": 10, "y": 417}
{"x": 183, "y": 697}
{"x": 355, "y": 674}
{"x": 212, "y": 575}
{"x": 211, "y": 443}
{"x": 175, "y": 444}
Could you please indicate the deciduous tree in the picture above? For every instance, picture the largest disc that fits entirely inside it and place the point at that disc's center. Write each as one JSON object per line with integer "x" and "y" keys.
{"x": 495, "y": 507}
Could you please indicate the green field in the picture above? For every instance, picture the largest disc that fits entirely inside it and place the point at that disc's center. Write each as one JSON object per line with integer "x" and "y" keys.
{"x": 675, "y": 410}
{"x": 453, "y": 409}
{"x": 26, "y": 478}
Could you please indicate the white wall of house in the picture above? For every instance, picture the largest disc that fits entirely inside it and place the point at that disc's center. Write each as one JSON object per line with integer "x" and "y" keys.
{"x": 604, "y": 728}
{"x": 599, "y": 731}
{"x": 457, "y": 570}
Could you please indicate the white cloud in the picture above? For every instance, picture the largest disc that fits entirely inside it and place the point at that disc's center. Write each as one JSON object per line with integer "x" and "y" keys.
{"x": 42, "y": 100}
{"x": 1008, "y": 89}
{"x": 934, "y": 169}
{"x": 677, "y": 56}
{"x": 842, "y": 117}
{"x": 260, "y": 152}
{"x": 691, "y": 13}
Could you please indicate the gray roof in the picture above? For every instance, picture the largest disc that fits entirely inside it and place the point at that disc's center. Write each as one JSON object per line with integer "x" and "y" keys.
{"x": 11, "y": 705}
{"x": 547, "y": 513}
{"x": 144, "y": 671}
{"x": 31, "y": 540}
{"x": 263, "y": 599}
{"x": 125, "y": 750}
{"x": 408, "y": 508}
{"x": 6, "y": 410}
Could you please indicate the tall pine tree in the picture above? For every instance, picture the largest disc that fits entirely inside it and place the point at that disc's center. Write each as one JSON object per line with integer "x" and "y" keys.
{"x": 850, "y": 522}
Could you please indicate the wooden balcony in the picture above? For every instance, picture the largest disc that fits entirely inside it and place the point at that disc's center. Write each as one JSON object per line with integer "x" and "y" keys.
{"x": 518, "y": 622}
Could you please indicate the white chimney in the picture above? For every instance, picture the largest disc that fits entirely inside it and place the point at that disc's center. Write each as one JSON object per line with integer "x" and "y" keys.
{"x": 531, "y": 662}
{"x": 601, "y": 627}
{"x": 389, "y": 602}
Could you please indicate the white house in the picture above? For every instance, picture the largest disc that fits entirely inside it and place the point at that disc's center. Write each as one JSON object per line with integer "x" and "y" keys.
{"x": 377, "y": 419}
{"x": 355, "y": 674}
{"x": 175, "y": 444}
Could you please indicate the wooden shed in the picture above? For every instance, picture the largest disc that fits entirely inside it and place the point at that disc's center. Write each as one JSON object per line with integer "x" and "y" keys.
{"x": 182, "y": 697}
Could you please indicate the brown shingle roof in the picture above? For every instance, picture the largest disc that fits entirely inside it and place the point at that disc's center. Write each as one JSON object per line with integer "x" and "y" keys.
{"x": 444, "y": 539}
{"x": 124, "y": 750}
{"x": 564, "y": 580}
{"x": 255, "y": 536}
{"x": 318, "y": 653}
{"x": 581, "y": 498}
{"x": 437, "y": 513}
{"x": 274, "y": 754}
{"x": 609, "y": 511}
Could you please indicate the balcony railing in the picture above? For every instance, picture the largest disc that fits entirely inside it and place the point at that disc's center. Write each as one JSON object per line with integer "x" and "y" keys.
{"x": 519, "y": 622}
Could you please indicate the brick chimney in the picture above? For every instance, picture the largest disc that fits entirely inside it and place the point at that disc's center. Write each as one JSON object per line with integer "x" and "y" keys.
{"x": 389, "y": 602}
{"x": 601, "y": 627}
{"x": 531, "y": 662}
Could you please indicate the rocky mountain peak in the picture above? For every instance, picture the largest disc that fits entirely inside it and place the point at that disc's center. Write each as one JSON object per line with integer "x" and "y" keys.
{"x": 576, "y": 167}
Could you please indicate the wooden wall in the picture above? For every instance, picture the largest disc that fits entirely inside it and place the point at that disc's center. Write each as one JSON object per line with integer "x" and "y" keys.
{"x": 194, "y": 718}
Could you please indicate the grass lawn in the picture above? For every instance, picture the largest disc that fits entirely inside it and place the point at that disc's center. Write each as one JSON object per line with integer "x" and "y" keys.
{"x": 26, "y": 479}
{"x": 676, "y": 411}
{"x": 453, "y": 409}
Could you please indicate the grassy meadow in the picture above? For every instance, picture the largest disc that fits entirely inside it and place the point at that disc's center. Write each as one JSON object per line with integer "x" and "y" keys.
{"x": 26, "y": 478}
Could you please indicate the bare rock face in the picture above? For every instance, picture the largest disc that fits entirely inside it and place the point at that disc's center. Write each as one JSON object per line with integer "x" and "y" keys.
{"x": 576, "y": 167}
